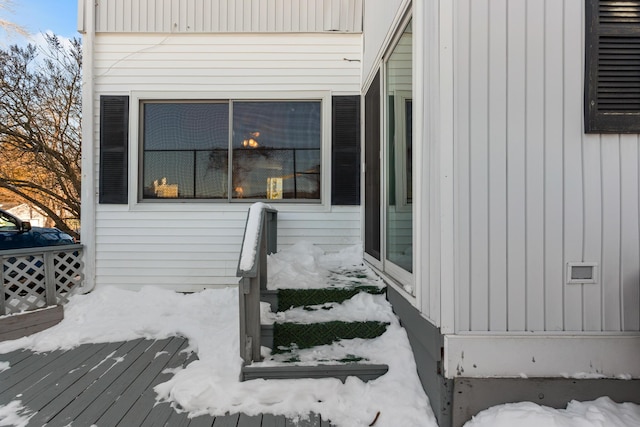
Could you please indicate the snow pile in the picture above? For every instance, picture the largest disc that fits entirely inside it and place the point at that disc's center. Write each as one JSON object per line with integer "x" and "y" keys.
{"x": 306, "y": 266}
{"x": 602, "y": 412}
{"x": 209, "y": 319}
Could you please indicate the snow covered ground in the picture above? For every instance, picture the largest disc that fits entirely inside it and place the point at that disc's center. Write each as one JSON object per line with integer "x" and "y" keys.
{"x": 209, "y": 320}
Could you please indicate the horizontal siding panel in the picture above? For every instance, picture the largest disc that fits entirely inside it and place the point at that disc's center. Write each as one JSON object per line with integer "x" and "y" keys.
{"x": 227, "y": 63}
{"x": 149, "y": 81}
{"x": 137, "y": 248}
{"x": 190, "y": 245}
{"x": 220, "y": 16}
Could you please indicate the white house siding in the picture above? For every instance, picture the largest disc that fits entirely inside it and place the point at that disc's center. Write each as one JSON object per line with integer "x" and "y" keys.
{"x": 221, "y": 16}
{"x": 378, "y": 22}
{"x": 187, "y": 246}
{"x": 533, "y": 191}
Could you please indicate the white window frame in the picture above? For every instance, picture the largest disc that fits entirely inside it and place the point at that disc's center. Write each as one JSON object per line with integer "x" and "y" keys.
{"x": 300, "y": 205}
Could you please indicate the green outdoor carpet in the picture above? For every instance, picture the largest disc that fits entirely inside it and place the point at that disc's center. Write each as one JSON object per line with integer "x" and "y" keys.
{"x": 288, "y": 335}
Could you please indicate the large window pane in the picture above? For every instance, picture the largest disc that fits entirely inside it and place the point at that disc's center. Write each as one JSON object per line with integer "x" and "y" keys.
{"x": 168, "y": 174}
{"x": 399, "y": 215}
{"x": 276, "y": 150}
{"x": 212, "y": 174}
{"x": 186, "y": 126}
{"x": 185, "y": 150}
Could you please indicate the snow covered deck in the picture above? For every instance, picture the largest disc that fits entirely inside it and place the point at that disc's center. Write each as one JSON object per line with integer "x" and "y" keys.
{"x": 109, "y": 384}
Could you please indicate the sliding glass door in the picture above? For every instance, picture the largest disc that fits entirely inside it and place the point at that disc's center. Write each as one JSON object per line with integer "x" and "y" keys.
{"x": 398, "y": 230}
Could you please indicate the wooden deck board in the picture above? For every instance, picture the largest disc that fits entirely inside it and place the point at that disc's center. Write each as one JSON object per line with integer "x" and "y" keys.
{"x": 111, "y": 385}
{"x": 144, "y": 404}
{"x": 269, "y": 420}
{"x": 60, "y": 376}
{"x": 135, "y": 387}
{"x": 115, "y": 381}
{"x": 248, "y": 421}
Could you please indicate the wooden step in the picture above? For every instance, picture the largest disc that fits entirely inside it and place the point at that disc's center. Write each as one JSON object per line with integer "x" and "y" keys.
{"x": 285, "y": 299}
{"x": 366, "y": 372}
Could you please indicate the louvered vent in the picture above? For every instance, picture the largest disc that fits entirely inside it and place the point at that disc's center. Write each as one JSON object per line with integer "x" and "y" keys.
{"x": 619, "y": 74}
{"x": 618, "y": 57}
{"x": 619, "y": 12}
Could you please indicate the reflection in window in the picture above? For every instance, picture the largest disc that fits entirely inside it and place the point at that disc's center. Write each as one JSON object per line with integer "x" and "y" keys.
{"x": 399, "y": 214}
{"x": 185, "y": 150}
{"x": 275, "y": 150}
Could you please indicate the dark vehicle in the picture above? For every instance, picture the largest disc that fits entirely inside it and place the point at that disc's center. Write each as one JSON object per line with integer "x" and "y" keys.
{"x": 17, "y": 234}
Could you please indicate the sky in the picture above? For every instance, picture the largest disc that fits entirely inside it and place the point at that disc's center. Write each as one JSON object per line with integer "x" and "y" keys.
{"x": 37, "y": 16}
{"x": 211, "y": 384}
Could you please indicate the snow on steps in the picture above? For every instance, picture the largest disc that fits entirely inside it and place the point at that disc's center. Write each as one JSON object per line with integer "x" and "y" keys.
{"x": 314, "y": 332}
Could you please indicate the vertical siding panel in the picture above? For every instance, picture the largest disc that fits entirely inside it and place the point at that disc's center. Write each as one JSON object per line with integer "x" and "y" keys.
{"x": 309, "y": 16}
{"x": 344, "y": 14}
{"x": 479, "y": 174}
{"x": 592, "y": 231}
{"x": 279, "y": 15}
{"x": 255, "y": 15}
{"x": 611, "y": 203}
{"x": 247, "y": 15}
{"x": 592, "y": 301}
{"x": 263, "y": 18}
{"x": 111, "y": 16}
{"x": 534, "y": 186}
{"x": 134, "y": 21}
{"x": 357, "y": 16}
{"x": 271, "y": 18}
{"x": 573, "y": 172}
{"x": 102, "y": 11}
{"x": 149, "y": 17}
{"x": 629, "y": 233}
{"x": 126, "y": 15}
{"x": 231, "y": 16}
{"x": 286, "y": 17}
{"x": 497, "y": 164}
{"x": 120, "y": 15}
{"x": 189, "y": 15}
{"x": 214, "y": 18}
{"x": 517, "y": 164}
{"x": 207, "y": 15}
{"x": 320, "y": 15}
{"x": 463, "y": 142}
{"x": 295, "y": 16}
{"x": 146, "y": 15}
{"x": 554, "y": 263}
{"x": 166, "y": 16}
{"x": 223, "y": 16}
{"x": 199, "y": 12}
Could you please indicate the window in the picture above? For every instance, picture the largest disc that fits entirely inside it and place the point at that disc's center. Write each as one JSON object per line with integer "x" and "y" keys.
{"x": 231, "y": 150}
{"x": 612, "y": 68}
{"x": 398, "y": 94}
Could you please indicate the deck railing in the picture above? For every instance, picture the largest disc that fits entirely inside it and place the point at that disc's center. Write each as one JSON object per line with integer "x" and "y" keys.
{"x": 260, "y": 239}
{"x": 34, "y": 278}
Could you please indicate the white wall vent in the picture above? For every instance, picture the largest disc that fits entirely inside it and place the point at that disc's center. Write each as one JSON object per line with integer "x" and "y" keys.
{"x": 582, "y": 272}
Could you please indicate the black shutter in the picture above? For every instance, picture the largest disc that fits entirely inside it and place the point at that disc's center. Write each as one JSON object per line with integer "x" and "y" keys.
{"x": 114, "y": 149}
{"x": 612, "y": 66}
{"x": 345, "y": 153}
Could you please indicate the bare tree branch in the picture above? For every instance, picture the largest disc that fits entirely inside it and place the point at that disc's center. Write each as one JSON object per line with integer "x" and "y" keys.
{"x": 40, "y": 111}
